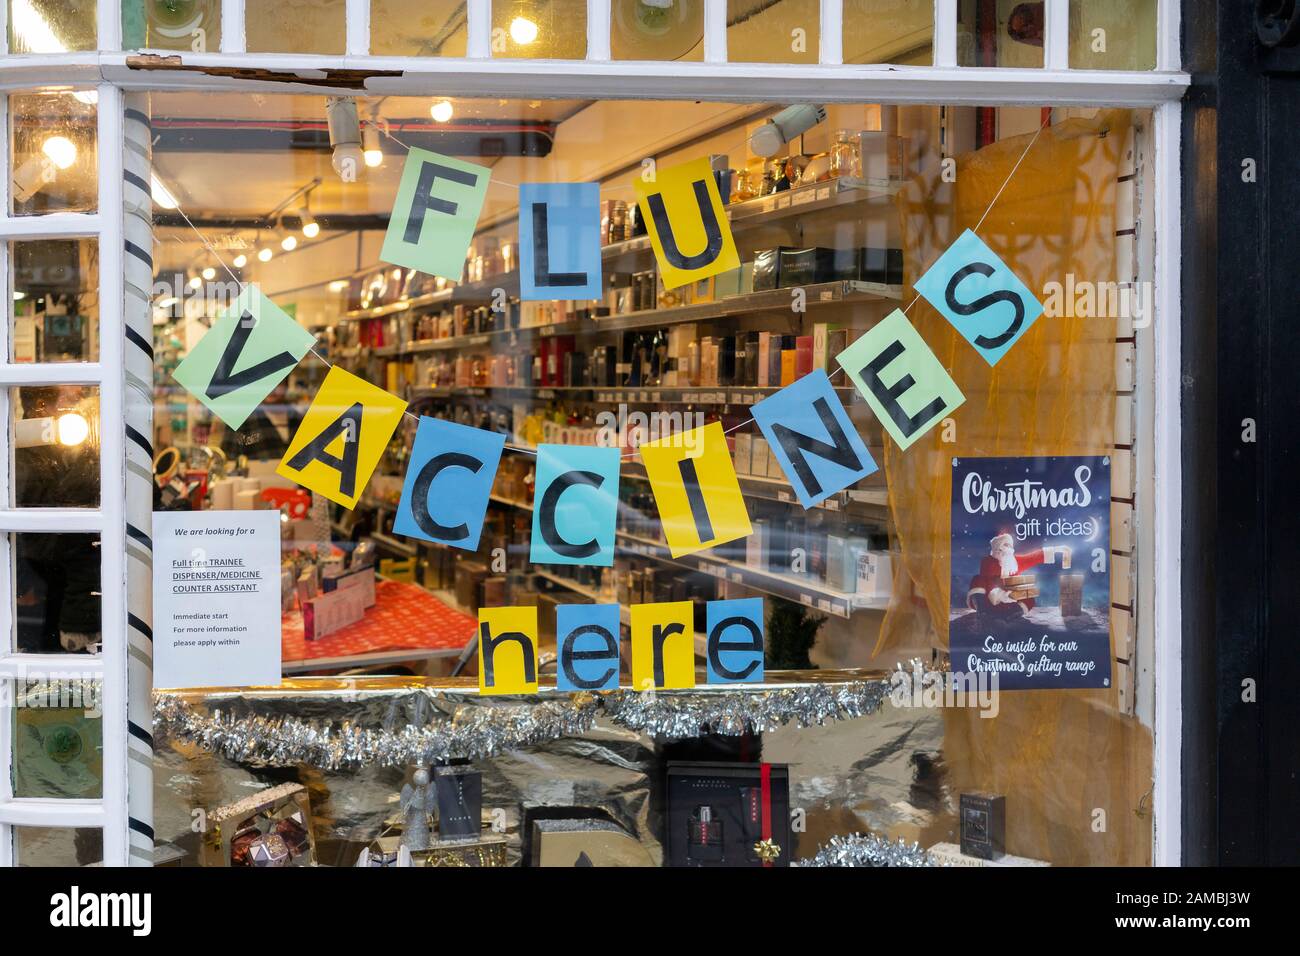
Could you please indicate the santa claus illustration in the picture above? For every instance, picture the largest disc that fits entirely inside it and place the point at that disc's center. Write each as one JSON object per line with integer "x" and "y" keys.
{"x": 993, "y": 593}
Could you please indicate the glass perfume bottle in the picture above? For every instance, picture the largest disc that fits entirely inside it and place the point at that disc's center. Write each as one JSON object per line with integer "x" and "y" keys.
{"x": 704, "y": 837}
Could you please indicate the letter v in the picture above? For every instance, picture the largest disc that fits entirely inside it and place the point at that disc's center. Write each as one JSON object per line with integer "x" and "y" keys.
{"x": 223, "y": 381}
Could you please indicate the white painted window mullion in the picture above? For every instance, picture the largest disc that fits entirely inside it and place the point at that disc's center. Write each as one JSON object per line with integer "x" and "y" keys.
{"x": 109, "y": 13}
{"x": 478, "y": 29}
{"x": 357, "y": 15}
{"x": 598, "y": 25}
{"x": 52, "y": 373}
{"x": 1056, "y": 35}
{"x": 945, "y": 33}
{"x": 831, "y": 47}
{"x": 232, "y": 26}
{"x": 57, "y": 813}
{"x": 715, "y": 32}
{"x": 1169, "y": 15}
{"x": 58, "y": 225}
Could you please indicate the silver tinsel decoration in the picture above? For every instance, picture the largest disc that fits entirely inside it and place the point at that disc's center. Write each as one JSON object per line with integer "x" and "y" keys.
{"x": 867, "y": 849}
{"x": 475, "y": 730}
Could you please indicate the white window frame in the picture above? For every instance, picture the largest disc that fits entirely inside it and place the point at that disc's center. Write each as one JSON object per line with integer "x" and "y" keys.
{"x": 113, "y": 72}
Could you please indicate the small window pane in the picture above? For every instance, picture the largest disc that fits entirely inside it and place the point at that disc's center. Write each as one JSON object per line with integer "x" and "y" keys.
{"x": 42, "y": 846}
{"x": 58, "y": 740}
{"x": 888, "y": 31}
{"x": 55, "y": 290}
{"x": 193, "y": 25}
{"x": 51, "y": 26}
{"x": 1113, "y": 34}
{"x": 763, "y": 31}
{"x": 53, "y": 139}
{"x": 665, "y": 30}
{"x": 540, "y": 29}
{"x": 56, "y": 593}
{"x": 417, "y": 27}
{"x": 295, "y": 26}
{"x": 999, "y": 33}
{"x": 56, "y": 446}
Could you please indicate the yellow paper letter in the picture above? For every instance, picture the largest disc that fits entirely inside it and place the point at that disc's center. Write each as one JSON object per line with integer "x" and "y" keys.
{"x": 663, "y": 645}
{"x": 695, "y": 487}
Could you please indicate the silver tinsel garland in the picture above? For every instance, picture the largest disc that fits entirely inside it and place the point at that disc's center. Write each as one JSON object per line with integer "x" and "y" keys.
{"x": 477, "y": 730}
{"x": 868, "y": 849}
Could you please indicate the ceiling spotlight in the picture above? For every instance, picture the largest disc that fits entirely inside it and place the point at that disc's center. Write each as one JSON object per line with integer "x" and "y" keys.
{"x": 374, "y": 155}
{"x": 72, "y": 429}
{"x": 441, "y": 111}
{"x": 264, "y": 255}
{"x": 338, "y": 285}
{"x": 345, "y": 137}
{"x": 289, "y": 243}
{"x": 62, "y": 152}
{"x": 196, "y": 282}
{"x": 241, "y": 260}
{"x": 310, "y": 227}
{"x": 209, "y": 274}
{"x": 523, "y": 31}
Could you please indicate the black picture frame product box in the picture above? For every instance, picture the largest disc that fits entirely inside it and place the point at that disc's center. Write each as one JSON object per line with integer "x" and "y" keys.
{"x": 983, "y": 825}
{"x": 715, "y": 813}
{"x": 459, "y": 793}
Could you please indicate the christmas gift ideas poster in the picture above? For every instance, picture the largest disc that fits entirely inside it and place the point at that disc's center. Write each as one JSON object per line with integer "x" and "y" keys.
{"x": 1031, "y": 571}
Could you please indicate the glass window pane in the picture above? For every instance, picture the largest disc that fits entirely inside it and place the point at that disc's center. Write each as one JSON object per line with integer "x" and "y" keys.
{"x": 56, "y": 592}
{"x": 55, "y": 288}
{"x": 417, "y": 27}
{"x": 58, "y": 741}
{"x": 763, "y": 31}
{"x": 666, "y": 30}
{"x": 540, "y": 29}
{"x": 172, "y": 25}
{"x": 295, "y": 26}
{"x": 43, "y": 846}
{"x": 53, "y": 140}
{"x": 56, "y": 446}
{"x": 999, "y": 33}
{"x": 888, "y": 31}
{"x": 51, "y": 26}
{"x": 1113, "y": 34}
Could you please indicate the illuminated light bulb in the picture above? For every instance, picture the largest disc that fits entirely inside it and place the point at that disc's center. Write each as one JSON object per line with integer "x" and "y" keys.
{"x": 209, "y": 274}
{"x": 371, "y": 151}
{"x": 196, "y": 282}
{"x": 73, "y": 429}
{"x": 523, "y": 31}
{"x": 264, "y": 255}
{"x": 338, "y": 285}
{"x": 19, "y": 296}
{"x": 310, "y": 227}
{"x": 289, "y": 243}
{"x": 60, "y": 150}
{"x": 441, "y": 111}
{"x": 241, "y": 260}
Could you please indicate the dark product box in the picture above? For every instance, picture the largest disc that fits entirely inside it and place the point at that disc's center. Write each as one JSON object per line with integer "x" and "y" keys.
{"x": 882, "y": 265}
{"x": 983, "y": 825}
{"x": 806, "y": 266}
{"x": 459, "y": 791}
{"x": 767, "y": 269}
{"x": 715, "y": 814}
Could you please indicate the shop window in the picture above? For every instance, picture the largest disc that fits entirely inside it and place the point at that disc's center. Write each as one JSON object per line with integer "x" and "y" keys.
{"x": 888, "y": 31}
{"x": 53, "y": 139}
{"x": 295, "y": 26}
{"x": 760, "y": 31}
{"x": 539, "y": 29}
{"x": 417, "y": 27}
{"x": 47, "y": 846}
{"x": 51, "y": 26}
{"x": 55, "y": 292}
{"x": 57, "y": 739}
{"x": 193, "y": 25}
{"x": 662, "y": 30}
{"x": 56, "y": 592}
{"x": 1113, "y": 34}
{"x": 1000, "y": 33}
{"x": 56, "y": 446}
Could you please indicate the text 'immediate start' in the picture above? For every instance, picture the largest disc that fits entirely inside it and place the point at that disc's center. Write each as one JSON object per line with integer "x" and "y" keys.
{"x": 214, "y": 576}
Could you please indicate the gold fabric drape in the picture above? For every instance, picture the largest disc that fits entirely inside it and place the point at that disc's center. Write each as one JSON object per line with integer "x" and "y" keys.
{"x": 1060, "y": 757}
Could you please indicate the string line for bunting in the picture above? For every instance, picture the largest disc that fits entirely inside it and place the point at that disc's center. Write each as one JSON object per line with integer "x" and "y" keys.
{"x": 524, "y": 449}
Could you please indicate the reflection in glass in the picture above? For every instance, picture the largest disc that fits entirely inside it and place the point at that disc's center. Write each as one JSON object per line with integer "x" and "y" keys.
{"x": 1113, "y": 34}
{"x": 51, "y": 26}
{"x": 295, "y": 26}
{"x": 660, "y": 30}
{"x": 44, "y": 846}
{"x": 417, "y": 27}
{"x": 53, "y": 139}
{"x": 55, "y": 289}
{"x": 539, "y": 29}
{"x": 193, "y": 25}
{"x": 888, "y": 31}
{"x": 763, "y": 31}
{"x": 58, "y": 744}
{"x": 999, "y": 33}
{"x": 57, "y": 592}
